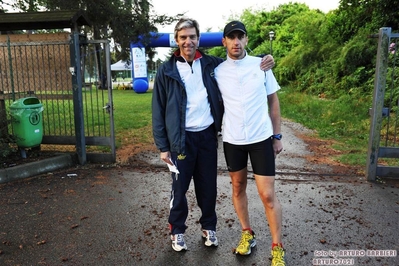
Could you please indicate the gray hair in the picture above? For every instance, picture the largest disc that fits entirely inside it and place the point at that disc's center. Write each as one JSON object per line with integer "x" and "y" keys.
{"x": 185, "y": 23}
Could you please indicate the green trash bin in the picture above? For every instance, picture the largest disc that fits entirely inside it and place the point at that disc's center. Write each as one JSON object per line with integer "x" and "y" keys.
{"x": 27, "y": 122}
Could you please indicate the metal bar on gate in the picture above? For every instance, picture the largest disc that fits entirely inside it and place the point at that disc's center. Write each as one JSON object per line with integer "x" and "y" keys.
{"x": 55, "y": 104}
{"x": 46, "y": 124}
{"x": 84, "y": 54}
{"x": 388, "y": 152}
{"x": 10, "y": 66}
{"x": 388, "y": 171}
{"x": 110, "y": 102}
{"x": 378, "y": 102}
{"x": 69, "y": 102}
{"x": 62, "y": 127}
{"x": 25, "y": 79}
{"x": 35, "y": 72}
{"x": 78, "y": 99}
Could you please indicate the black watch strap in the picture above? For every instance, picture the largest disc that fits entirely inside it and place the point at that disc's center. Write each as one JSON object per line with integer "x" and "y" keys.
{"x": 277, "y": 136}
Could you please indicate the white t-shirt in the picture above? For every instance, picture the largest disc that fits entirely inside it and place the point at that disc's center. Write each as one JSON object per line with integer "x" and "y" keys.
{"x": 244, "y": 87}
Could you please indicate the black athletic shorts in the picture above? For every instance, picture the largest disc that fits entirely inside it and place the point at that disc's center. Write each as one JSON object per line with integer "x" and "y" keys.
{"x": 261, "y": 155}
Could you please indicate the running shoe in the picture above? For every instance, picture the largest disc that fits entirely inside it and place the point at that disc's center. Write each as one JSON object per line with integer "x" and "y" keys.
{"x": 247, "y": 242}
{"x": 210, "y": 236}
{"x": 178, "y": 243}
{"x": 278, "y": 254}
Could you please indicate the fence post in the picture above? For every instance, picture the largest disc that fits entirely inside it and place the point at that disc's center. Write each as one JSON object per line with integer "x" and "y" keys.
{"x": 78, "y": 98}
{"x": 110, "y": 100}
{"x": 378, "y": 103}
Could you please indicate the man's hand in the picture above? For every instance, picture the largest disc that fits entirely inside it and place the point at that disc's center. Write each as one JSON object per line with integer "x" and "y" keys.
{"x": 165, "y": 156}
{"x": 267, "y": 62}
{"x": 277, "y": 147}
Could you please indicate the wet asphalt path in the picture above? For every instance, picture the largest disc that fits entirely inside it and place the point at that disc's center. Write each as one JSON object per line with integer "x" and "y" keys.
{"x": 112, "y": 215}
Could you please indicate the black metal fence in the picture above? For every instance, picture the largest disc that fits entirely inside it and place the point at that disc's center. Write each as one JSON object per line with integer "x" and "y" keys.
{"x": 44, "y": 66}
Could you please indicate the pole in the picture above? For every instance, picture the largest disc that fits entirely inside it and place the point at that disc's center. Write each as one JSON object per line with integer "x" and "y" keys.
{"x": 271, "y": 36}
{"x": 271, "y": 46}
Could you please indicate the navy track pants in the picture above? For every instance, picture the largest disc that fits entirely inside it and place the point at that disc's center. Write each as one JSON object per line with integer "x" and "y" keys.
{"x": 199, "y": 164}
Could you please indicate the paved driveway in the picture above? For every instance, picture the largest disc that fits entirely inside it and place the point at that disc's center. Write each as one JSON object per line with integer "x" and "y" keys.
{"x": 113, "y": 215}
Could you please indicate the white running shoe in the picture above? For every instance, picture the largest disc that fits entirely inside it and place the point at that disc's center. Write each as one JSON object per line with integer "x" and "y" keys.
{"x": 178, "y": 243}
{"x": 210, "y": 236}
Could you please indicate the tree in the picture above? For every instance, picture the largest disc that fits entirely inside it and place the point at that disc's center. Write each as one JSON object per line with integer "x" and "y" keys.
{"x": 124, "y": 21}
{"x": 260, "y": 23}
{"x": 353, "y": 15}
{"x": 26, "y": 5}
{"x": 5, "y": 6}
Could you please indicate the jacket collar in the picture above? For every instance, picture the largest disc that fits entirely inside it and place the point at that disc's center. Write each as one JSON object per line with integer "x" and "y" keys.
{"x": 180, "y": 58}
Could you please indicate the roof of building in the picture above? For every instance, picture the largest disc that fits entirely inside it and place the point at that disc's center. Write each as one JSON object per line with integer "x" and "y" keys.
{"x": 43, "y": 20}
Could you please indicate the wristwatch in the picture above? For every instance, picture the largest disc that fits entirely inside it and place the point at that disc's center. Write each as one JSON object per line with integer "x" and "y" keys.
{"x": 277, "y": 136}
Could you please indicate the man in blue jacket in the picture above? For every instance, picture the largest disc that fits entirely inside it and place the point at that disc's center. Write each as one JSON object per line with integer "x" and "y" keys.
{"x": 187, "y": 111}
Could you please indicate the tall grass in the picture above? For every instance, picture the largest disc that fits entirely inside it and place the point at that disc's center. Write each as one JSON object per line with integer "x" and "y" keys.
{"x": 345, "y": 120}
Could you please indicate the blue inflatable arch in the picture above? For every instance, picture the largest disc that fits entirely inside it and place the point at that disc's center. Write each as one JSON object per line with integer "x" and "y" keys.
{"x": 139, "y": 64}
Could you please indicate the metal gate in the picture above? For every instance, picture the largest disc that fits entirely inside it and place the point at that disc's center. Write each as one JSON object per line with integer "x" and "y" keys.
{"x": 384, "y": 129}
{"x": 62, "y": 71}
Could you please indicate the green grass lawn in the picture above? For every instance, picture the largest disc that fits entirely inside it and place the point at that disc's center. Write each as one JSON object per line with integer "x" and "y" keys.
{"x": 346, "y": 120}
{"x": 132, "y": 117}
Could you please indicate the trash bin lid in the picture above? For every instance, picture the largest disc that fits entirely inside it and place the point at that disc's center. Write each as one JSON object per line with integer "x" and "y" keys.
{"x": 26, "y": 103}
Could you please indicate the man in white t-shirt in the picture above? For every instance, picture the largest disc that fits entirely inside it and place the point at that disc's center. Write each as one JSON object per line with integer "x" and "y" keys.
{"x": 251, "y": 127}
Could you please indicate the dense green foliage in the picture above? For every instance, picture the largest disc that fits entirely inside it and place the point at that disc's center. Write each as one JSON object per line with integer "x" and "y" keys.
{"x": 325, "y": 64}
{"x": 331, "y": 54}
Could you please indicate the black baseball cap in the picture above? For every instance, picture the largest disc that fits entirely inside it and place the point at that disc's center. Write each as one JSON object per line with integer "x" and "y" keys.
{"x": 233, "y": 26}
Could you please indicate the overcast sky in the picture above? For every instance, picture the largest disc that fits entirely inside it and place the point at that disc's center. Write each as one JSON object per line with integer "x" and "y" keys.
{"x": 215, "y": 13}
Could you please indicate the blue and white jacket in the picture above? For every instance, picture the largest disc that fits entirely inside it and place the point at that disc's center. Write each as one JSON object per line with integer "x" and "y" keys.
{"x": 169, "y": 102}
